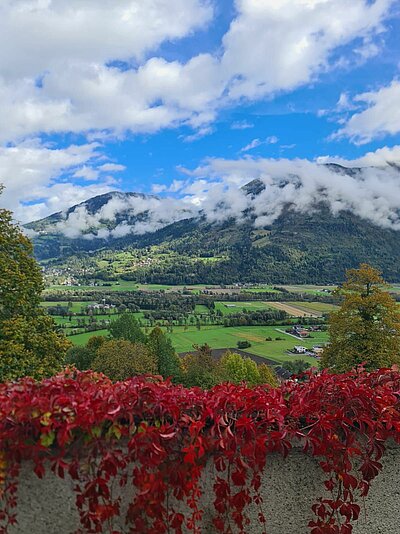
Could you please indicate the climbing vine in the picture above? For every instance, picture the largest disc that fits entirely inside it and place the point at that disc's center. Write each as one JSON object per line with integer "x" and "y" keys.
{"x": 158, "y": 438}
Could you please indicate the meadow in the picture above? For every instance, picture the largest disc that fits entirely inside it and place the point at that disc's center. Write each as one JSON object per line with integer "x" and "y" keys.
{"x": 219, "y": 337}
{"x": 216, "y": 336}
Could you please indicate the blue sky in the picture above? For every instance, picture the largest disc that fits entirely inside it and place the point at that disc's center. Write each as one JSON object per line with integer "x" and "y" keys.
{"x": 138, "y": 95}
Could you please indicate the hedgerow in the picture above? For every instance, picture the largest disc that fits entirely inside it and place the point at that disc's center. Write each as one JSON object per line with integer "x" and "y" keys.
{"x": 159, "y": 437}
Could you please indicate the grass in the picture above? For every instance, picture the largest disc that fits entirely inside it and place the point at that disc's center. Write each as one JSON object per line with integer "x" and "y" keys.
{"x": 228, "y": 308}
{"x": 82, "y": 339}
{"x": 64, "y": 321}
{"x": 218, "y": 337}
{"x": 308, "y": 288}
{"x": 314, "y": 306}
{"x": 201, "y": 309}
{"x": 260, "y": 289}
{"x": 221, "y": 337}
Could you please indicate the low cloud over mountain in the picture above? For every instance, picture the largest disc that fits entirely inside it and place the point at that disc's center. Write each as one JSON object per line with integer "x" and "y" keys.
{"x": 368, "y": 188}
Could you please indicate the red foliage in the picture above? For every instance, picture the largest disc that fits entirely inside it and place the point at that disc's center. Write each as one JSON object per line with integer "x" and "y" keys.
{"x": 159, "y": 437}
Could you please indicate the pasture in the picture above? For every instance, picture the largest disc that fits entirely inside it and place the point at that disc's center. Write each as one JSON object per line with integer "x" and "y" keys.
{"x": 219, "y": 337}
{"x": 228, "y": 308}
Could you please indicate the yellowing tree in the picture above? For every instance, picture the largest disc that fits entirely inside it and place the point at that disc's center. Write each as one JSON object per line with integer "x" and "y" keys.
{"x": 366, "y": 328}
{"x": 234, "y": 368}
{"x": 29, "y": 342}
{"x": 120, "y": 359}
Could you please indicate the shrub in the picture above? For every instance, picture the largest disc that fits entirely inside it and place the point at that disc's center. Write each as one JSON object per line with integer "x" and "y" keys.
{"x": 243, "y": 344}
{"x": 75, "y": 422}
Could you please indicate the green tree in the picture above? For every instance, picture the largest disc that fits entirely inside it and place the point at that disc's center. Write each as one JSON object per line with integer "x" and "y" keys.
{"x": 267, "y": 375}
{"x": 29, "y": 341}
{"x": 94, "y": 343}
{"x": 234, "y": 368}
{"x": 296, "y": 366}
{"x": 120, "y": 359}
{"x": 126, "y": 327}
{"x": 168, "y": 362}
{"x": 366, "y": 328}
{"x": 21, "y": 281}
{"x": 199, "y": 368}
{"x": 81, "y": 357}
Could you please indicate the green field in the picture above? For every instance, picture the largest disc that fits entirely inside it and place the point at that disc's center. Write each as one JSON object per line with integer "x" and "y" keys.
{"x": 82, "y": 339}
{"x": 308, "y": 288}
{"x": 260, "y": 289}
{"x": 218, "y": 337}
{"x": 221, "y": 337}
{"x": 227, "y": 308}
{"x": 126, "y": 285}
{"x": 201, "y": 309}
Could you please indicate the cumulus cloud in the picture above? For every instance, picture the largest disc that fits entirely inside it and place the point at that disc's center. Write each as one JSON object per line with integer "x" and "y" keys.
{"x": 261, "y": 61}
{"x": 381, "y": 116}
{"x": 31, "y": 174}
{"x": 369, "y": 187}
{"x": 61, "y": 61}
{"x": 111, "y": 167}
{"x": 37, "y": 36}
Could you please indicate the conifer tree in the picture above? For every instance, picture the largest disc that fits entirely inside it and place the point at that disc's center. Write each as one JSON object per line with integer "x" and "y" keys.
{"x": 168, "y": 362}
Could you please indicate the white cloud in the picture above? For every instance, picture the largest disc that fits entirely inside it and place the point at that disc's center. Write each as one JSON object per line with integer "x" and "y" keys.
{"x": 280, "y": 44}
{"x": 174, "y": 187}
{"x": 373, "y": 193}
{"x": 381, "y": 117}
{"x": 145, "y": 214}
{"x": 255, "y": 143}
{"x": 111, "y": 167}
{"x": 272, "y": 140}
{"x": 215, "y": 191}
{"x": 30, "y": 172}
{"x": 382, "y": 157}
{"x": 87, "y": 173}
{"x": 241, "y": 125}
{"x": 38, "y": 36}
{"x": 59, "y": 70}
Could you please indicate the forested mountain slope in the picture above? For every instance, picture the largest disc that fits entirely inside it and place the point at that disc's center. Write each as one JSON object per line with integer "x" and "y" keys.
{"x": 312, "y": 247}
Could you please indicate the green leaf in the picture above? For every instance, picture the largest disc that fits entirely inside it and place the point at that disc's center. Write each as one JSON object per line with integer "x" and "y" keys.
{"x": 47, "y": 439}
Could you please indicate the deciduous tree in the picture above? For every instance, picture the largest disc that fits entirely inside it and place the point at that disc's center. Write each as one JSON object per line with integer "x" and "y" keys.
{"x": 366, "y": 328}
{"x": 120, "y": 359}
{"x": 29, "y": 341}
{"x": 199, "y": 368}
{"x": 126, "y": 327}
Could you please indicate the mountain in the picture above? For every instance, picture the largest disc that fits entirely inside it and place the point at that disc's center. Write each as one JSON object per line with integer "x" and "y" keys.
{"x": 315, "y": 246}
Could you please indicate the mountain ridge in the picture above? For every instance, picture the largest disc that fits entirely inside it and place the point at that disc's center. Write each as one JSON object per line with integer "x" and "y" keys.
{"x": 314, "y": 246}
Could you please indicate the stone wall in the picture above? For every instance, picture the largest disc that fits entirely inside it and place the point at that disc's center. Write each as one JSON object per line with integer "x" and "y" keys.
{"x": 289, "y": 489}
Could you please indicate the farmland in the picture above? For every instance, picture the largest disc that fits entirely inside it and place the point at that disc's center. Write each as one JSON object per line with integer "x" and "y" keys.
{"x": 219, "y": 337}
{"x": 194, "y": 315}
{"x": 228, "y": 308}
